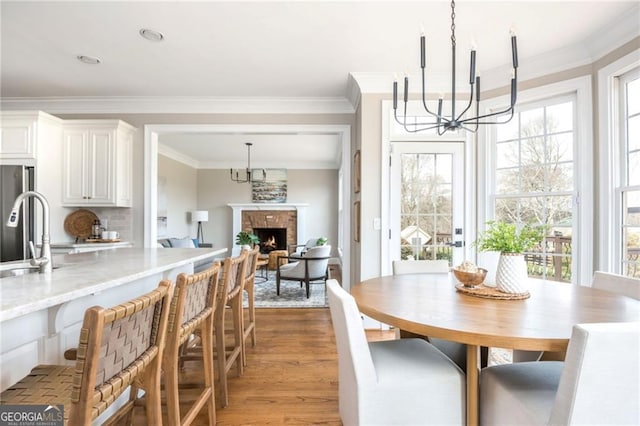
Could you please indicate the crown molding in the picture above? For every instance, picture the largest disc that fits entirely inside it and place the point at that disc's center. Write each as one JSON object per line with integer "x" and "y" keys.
{"x": 178, "y": 156}
{"x": 180, "y": 105}
{"x": 624, "y": 30}
{"x": 353, "y": 91}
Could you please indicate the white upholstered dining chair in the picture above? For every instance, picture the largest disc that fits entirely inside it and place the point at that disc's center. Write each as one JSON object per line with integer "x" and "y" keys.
{"x": 454, "y": 350}
{"x": 614, "y": 283}
{"x": 589, "y": 387}
{"x": 419, "y": 266}
{"x": 394, "y": 382}
{"x": 619, "y": 284}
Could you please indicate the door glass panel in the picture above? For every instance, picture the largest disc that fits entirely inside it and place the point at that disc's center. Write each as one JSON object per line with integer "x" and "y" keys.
{"x": 426, "y": 206}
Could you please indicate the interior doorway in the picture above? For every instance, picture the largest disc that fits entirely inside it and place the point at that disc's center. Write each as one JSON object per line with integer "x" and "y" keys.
{"x": 152, "y": 134}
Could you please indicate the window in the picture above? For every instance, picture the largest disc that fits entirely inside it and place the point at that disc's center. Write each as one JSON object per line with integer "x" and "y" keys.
{"x": 629, "y": 189}
{"x": 533, "y": 180}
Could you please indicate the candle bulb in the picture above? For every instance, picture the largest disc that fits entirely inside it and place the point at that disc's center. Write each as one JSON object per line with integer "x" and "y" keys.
{"x": 514, "y": 48}
{"x": 423, "y": 53}
{"x": 472, "y": 72}
{"x": 395, "y": 94}
{"x": 406, "y": 89}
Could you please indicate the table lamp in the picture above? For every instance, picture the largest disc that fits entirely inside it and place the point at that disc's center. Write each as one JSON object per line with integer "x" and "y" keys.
{"x": 200, "y": 216}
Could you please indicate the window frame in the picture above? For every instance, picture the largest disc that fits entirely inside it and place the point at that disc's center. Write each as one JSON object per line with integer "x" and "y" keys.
{"x": 580, "y": 88}
{"x": 610, "y": 155}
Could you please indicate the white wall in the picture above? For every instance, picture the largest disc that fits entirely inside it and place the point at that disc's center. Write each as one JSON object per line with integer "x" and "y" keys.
{"x": 182, "y": 196}
{"x": 318, "y": 188}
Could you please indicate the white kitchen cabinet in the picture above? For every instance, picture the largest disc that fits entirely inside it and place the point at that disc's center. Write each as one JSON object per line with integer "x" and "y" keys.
{"x": 97, "y": 163}
{"x": 21, "y": 131}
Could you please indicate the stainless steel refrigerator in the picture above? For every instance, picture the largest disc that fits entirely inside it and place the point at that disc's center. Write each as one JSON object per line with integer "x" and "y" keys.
{"x": 14, "y": 242}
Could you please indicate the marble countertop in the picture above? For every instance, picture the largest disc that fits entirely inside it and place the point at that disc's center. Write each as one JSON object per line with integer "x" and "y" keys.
{"x": 77, "y": 275}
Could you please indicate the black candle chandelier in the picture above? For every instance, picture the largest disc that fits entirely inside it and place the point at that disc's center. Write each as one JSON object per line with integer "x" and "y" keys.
{"x": 248, "y": 175}
{"x": 441, "y": 122}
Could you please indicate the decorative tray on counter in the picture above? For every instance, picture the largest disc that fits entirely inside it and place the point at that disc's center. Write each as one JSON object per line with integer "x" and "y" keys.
{"x": 101, "y": 240}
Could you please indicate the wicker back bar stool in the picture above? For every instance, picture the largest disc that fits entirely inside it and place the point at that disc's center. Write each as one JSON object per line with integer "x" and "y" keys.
{"x": 229, "y": 294}
{"x": 117, "y": 347}
{"x": 192, "y": 311}
{"x": 249, "y": 328}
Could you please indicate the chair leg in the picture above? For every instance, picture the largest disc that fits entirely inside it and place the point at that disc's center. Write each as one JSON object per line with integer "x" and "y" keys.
{"x": 278, "y": 283}
{"x": 252, "y": 315}
{"x": 153, "y": 403}
{"x": 238, "y": 334}
{"x": 308, "y": 292}
{"x": 207, "y": 361}
{"x": 221, "y": 360}
{"x": 171, "y": 388}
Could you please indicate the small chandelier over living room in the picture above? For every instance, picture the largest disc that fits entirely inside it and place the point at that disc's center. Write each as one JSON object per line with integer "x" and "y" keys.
{"x": 455, "y": 121}
{"x": 248, "y": 175}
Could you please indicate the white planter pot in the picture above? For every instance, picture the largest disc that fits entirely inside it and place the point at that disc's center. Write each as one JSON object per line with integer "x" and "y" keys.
{"x": 512, "y": 273}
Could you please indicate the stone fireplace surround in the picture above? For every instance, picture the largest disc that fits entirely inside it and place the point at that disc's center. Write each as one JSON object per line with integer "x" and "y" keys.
{"x": 281, "y": 215}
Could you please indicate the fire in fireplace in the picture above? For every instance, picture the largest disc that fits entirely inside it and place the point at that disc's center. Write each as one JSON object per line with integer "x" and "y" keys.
{"x": 271, "y": 239}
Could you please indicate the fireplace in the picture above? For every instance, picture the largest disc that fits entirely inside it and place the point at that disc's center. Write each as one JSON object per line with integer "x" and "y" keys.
{"x": 290, "y": 218}
{"x": 271, "y": 239}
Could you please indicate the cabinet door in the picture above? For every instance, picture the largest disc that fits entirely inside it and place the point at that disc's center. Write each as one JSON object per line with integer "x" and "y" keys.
{"x": 100, "y": 173}
{"x": 75, "y": 167}
{"x": 17, "y": 139}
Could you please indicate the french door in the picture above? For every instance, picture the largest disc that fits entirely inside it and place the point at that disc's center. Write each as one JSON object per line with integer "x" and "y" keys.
{"x": 427, "y": 201}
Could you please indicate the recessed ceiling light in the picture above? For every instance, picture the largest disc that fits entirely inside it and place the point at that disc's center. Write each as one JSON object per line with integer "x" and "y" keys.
{"x": 91, "y": 60}
{"x": 151, "y": 35}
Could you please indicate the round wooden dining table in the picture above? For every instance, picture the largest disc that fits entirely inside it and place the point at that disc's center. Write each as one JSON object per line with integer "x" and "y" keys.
{"x": 430, "y": 305}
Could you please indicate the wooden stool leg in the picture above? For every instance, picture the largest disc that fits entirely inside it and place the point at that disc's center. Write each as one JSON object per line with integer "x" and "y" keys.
{"x": 238, "y": 333}
{"x": 221, "y": 360}
{"x": 252, "y": 315}
{"x": 171, "y": 389}
{"x": 207, "y": 360}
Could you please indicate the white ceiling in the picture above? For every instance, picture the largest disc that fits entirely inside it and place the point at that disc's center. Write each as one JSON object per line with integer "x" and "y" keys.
{"x": 279, "y": 50}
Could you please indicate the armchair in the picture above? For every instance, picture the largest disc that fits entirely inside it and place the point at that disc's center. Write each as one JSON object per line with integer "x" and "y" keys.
{"x": 308, "y": 267}
{"x": 299, "y": 249}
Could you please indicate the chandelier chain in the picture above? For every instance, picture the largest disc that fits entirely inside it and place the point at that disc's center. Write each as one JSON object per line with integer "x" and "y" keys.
{"x": 453, "y": 23}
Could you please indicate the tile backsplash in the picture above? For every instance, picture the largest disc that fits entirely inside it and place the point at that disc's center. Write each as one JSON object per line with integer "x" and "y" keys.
{"x": 116, "y": 219}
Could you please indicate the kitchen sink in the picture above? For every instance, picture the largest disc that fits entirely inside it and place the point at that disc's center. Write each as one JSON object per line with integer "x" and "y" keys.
{"x": 8, "y": 270}
{"x": 19, "y": 271}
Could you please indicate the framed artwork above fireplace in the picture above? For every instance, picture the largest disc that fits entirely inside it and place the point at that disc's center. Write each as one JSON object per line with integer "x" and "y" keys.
{"x": 273, "y": 189}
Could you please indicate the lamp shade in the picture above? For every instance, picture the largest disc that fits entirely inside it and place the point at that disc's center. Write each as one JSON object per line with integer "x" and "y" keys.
{"x": 199, "y": 215}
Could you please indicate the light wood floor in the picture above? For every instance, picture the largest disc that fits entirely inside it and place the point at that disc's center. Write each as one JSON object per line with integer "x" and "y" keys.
{"x": 291, "y": 377}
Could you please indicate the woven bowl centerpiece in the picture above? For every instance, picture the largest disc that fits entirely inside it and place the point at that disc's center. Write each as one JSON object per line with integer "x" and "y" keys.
{"x": 470, "y": 279}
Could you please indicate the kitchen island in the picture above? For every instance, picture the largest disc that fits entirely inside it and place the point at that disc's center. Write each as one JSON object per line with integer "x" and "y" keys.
{"x": 41, "y": 314}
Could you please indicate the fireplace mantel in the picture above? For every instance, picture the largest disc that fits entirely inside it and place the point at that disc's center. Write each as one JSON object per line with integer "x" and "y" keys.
{"x": 301, "y": 216}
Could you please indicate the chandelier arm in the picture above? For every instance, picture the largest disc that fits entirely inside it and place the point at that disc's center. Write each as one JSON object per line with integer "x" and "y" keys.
{"x": 509, "y": 110}
{"x": 458, "y": 118}
{"x": 510, "y": 116}
{"x": 424, "y": 99}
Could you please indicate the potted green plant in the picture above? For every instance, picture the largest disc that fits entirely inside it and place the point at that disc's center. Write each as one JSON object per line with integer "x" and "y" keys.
{"x": 247, "y": 239}
{"x": 321, "y": 241}
{"x": 511, "y": 241}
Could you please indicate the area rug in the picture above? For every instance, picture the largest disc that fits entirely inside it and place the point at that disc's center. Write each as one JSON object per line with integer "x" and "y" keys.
{"x": 291, "y": 294}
